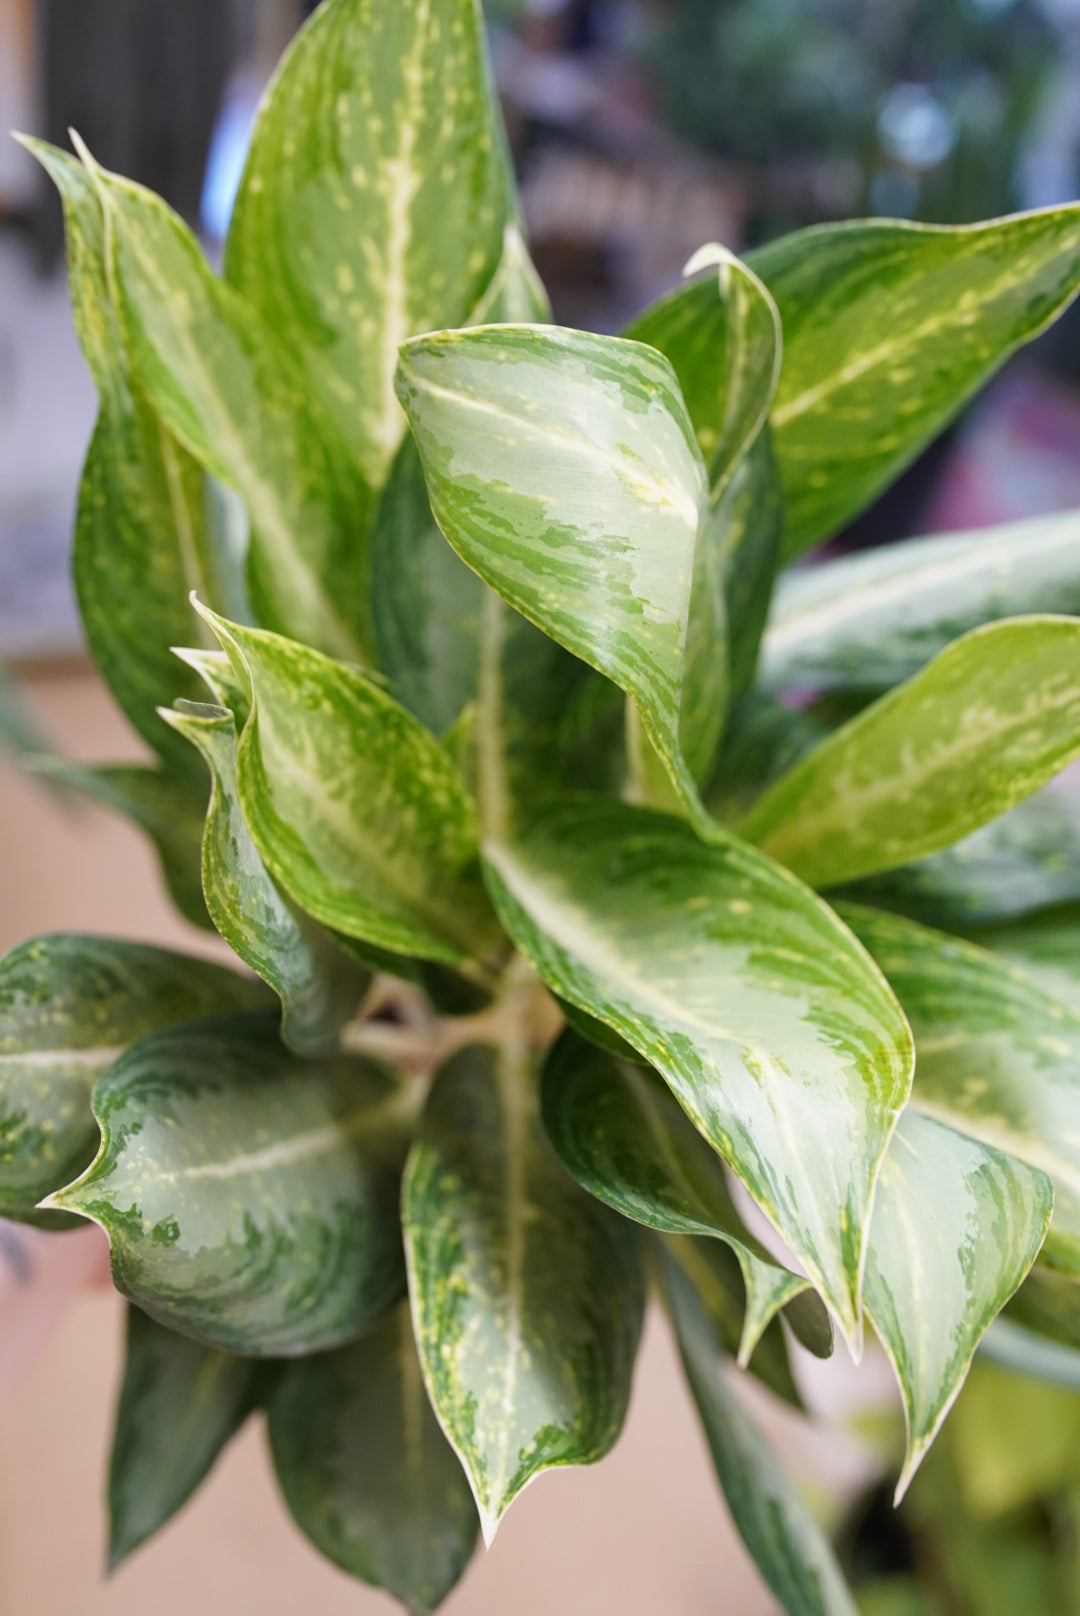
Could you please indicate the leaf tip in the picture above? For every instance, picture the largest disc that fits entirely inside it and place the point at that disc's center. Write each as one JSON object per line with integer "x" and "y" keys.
{"x": 712, "y": 255}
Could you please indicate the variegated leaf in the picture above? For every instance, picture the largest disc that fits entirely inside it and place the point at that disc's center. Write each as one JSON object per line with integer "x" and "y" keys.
{"x": 168, "y": 809}
{"x": 996, "y": 1057}
{"x": 722, "y": 335}
{"x": 454, "y": 652}
{"x": 180, "y": 1403}
{"x": 354, "y": 807}
{"x": 615, "y": 1126}
{"x": 956, "y": 1226}
{"x": 564, "y": 469}
{"x": 225, "y": 386}
{"x": 249, "y": 1196}
{"x": 515, "y": 295}
{"x": 777, "y": 1035}
{"x": 375, "y": 201}
{"x": 319, "y": 984}
{"x": 986, "y": 723}
{"x": 141, "y": 540}
{"x": 1046, "y": 948}
{"x": 366, "y": 1472}
{"x": 69, "y": 1007}
{"x": 527, "y": 1294}
{"x": 872, "y": 620}
{"x": 791, "y": 1550}
{"x": 1027, "y": 859}
{"x": 889, "y": 327}
{"x": 216, "y": 672}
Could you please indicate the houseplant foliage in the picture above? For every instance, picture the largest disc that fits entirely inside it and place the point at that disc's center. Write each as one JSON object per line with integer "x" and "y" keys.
{"x": 518, "y": 848}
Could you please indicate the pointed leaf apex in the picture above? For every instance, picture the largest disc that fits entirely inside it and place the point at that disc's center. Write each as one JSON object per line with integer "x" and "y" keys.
{"x": 712, "y": 255}
{"x": 84, "y": 153}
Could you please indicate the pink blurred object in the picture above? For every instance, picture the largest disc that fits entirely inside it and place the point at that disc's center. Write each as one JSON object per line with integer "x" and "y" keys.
{"x": 1018, "y": 455}
{"x": 40, "y": 1274}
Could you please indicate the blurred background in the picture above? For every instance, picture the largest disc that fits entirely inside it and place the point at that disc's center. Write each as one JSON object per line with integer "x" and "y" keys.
{"x": 641, "y": 129}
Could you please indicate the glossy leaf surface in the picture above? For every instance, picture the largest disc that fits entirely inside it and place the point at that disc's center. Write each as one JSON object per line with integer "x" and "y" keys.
{"x": 318, "y": 983}
{"x": 722, "y": 336}
{"x": 564, "y": 469}
{"x": 69, "y": 1007}
{"x": 1027, "y": 859}
{"x": 354, "y": 807}
{"x": 527, "y": 1294}
{"x": 249, "y": 1196}
{"x": 873, "y": 619}
{"x": 180, "y": 1403}
{"x": 374, "y": 202}
{"x": 956, "y": 1227}
{"x": 366, "y": 1472}
{"x": 224, "y": 385}
{"x": 778, "y": 1037}
{"x": 889, "y": 327}
{"x": 985, "y": 724}
{"x": 140, "y": 536}
{"x": 996, "y": 1057}
{"x": 791, "y": 1551}
{"x": 455, "y": 653}
{"x": 165, "y": 806}
{"x": 616, "y": 1127}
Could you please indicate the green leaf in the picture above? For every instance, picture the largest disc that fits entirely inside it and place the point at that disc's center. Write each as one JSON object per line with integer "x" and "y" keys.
{"x": 563, "y": 468}
{"x": 366, "y": 1471}
{"x": 375, "y": 200}
{"x": 69, "y": 1007}
{"x": 249, "y": 1196}
{"x": 763, "y": 739}
{"x": 889, "y": 328}
{"x": 1046, "y": 948}
{"x": 224, "y": 385}
{"x": 516, "y": 294}
{"x": 1027, "y": 859}
{"x": 996, "y": 1057}
{"x": 778, "y": 1037}
{"x": 615, "y": 1126}
{"x": 527, "y": 1294}
{"x": 169, "y": 810}
{"x": 874, "y": 619}
{"x": 722, "y": 336}
{"x": 318, "y": 983}
{"x": 791, "y": 1551}
{"x": 956, "y": 1227}
{"x": 450, "y": 647}
{"x": 216, "y": 672}
{"x": 356, "y": 810}
{"x": 141, "y": 543}
{"x": 987, "y": 722}
{"x": 747, "y": 524}
{"x": 713, "y": 1270}
{"x": 180, "y": 1403}
{"x": 1048, "y": 1303}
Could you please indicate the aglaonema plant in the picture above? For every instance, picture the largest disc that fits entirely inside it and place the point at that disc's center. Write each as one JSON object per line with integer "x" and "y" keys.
{"x": 480, "y": 750}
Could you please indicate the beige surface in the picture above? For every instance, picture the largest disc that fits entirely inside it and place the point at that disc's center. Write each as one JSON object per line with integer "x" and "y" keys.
{"x": 643, "y": 1533}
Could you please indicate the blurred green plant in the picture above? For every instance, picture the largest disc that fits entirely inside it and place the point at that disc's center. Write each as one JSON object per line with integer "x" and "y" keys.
{"x": 916, "y": 108}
